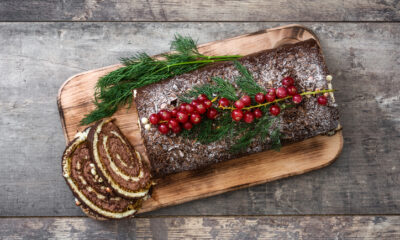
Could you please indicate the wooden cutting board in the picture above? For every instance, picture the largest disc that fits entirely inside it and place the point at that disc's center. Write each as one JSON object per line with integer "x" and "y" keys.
{"x": 75, "y": 100}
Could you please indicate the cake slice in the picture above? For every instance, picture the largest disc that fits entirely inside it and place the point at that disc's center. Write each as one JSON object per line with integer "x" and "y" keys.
{"x": 118, "y": 163}
{"x": 92, "y": 192}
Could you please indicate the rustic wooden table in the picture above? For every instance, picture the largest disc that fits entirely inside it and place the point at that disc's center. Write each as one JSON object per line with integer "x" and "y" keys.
{"x": 42, "y": 43}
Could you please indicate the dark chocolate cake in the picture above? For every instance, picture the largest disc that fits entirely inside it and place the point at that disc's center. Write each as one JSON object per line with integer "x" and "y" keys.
{"x": 118, "y": 163}
{"x": 94, "y": 195}
{"x": 303, "y": 61}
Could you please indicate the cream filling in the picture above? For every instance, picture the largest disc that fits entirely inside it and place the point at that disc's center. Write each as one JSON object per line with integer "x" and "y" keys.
{"x": 98, "y": 195}
{"x": 83, "y": 181}
{"x": 137, "y": 154}
{"x": 67, "y": 175}
{"x": 111, "y": 181}
{"x": 120, "y": 160}
{"x": 78, "y": 165}
{"x": 96, "y": 208}
{"x": 114, "y": 167}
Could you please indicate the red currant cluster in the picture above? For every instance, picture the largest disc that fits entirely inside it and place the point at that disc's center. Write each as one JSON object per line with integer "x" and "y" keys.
{"x": 282, "y": 92}
{"x": 185, "y": 115}
{"x": 237, "y": 113}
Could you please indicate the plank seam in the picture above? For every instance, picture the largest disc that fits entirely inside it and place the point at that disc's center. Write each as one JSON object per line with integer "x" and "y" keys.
{"x": 222, "y": 216}
{"x": 194, "y": 21}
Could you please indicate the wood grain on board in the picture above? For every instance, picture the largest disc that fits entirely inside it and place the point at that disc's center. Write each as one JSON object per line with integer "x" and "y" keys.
{"x": 36, "y": 58}
{"x": 193, "y": 10}
{"x": 76, "y": 97}
{"x": 206, "y": 227}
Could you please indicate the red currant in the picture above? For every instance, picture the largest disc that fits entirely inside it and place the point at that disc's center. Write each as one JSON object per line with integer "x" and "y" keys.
{"x": 212, "y": 113}
{"x": 182, "y": 117}
{"x": 187, "y": 125}
{"x": 223, "y": 102}
{"x": 258, "y": 113}
{"x": 287, "y": 81}
{"x": 260, "y": 98}
{"x": 173, "y": 123}
{"x": 281, "y": 92}
{"x": 165, "y": 115}
{"x": 154, "y": 118}
{"x": 270, "y": 97}
{"x": 239, "y": 104}
{"x": 195, "y": 102}
{"x": 190, "y": 108}
{"x": 207, "y": 103}
{"x": 174, "y": 112}
{"x": 163, "y": 128}
{"x": 201, "y": 108}
{"x": 272, "y": 92}
{"x": 237, "y": 115}
{"x": 195, "y": 118}
{"x": 202, "y": 97}
{"x": 246, "y": 100}
{"x": 274, "y": 110}
{"x": 248, "y": 117}
{"x": 182, "y": 107}
{"x": 322, "y": 100}
{"x": 297, "y": 98}
{"x": 292, "y": 90}
{"x": 177, "y": 129}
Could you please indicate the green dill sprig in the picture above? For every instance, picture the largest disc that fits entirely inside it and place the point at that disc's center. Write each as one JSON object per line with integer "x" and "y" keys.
{"x": 225, "y": 89}
{"x": 275, "y": 137}
{"x": 115, "y": 89}
{"x": 246, "y": 81}
{"x": 260, "y": 129}
{"x": 211, "y": 130}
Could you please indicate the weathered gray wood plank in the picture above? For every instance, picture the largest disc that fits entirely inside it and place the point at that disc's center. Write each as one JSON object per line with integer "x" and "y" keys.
{"x": 205, "y": 10}
{"x": 36, "y": 58}
{"x": 288, "y": 227}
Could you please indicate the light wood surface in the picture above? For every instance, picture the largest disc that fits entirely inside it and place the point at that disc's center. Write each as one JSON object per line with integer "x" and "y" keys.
{"x": 76, "y": 96}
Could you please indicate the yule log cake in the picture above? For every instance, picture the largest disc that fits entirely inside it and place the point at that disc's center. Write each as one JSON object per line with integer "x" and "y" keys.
{"x": 302, "y": 61}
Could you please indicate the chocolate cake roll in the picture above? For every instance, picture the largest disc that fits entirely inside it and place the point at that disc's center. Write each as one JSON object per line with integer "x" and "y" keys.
{"x": 118, "y": 163}
{"x": 92, "y": 214}
{"x": 92, "y": 193}
{"x": 303, "y": 61}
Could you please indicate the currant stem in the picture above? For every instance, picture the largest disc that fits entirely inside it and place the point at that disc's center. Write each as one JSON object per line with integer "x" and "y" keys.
{"x": 218, "y": 57}
{"x": 279, "y": 100}
{"x": 209, "y": 59}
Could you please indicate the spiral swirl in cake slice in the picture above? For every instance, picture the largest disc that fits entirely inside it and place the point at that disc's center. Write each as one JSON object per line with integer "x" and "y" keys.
{"x": 93, "y": 193}
{"x": 118, "y": 163}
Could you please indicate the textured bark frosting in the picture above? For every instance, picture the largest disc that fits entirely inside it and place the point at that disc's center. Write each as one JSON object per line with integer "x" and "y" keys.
{"x": 97, "y": 198}
{"x": 303, "y": 61}
{"x": 118, "y": 163}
